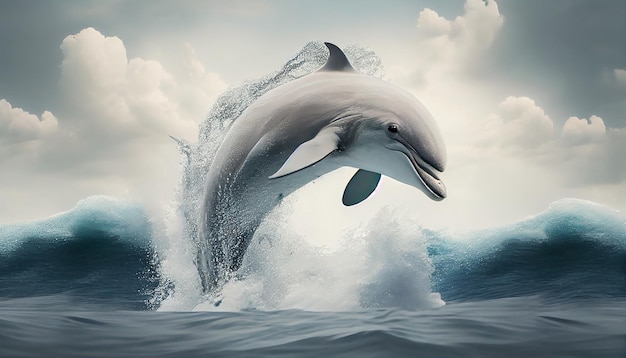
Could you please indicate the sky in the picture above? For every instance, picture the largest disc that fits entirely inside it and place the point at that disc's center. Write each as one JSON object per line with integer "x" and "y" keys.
{"x": 530, "y": 95}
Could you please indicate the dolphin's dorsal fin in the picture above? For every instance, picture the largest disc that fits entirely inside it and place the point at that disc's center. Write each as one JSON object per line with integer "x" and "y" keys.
{"x": 360, "y": 187}
{"x": 337, "y": 61}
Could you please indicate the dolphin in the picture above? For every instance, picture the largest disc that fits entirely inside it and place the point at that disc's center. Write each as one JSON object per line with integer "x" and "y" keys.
{"x": 301, "y": 130}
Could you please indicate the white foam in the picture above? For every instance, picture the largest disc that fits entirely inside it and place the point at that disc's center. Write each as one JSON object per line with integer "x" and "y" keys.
{"x": 381, "y": 264}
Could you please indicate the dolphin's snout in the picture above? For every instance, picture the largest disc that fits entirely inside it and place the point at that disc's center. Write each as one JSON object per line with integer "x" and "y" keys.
{"x": 427, "y": 173}
{"x": 430, "y": 178}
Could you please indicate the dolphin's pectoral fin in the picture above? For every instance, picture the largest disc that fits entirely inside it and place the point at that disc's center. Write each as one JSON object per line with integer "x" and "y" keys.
{"x": 360, "y": 187}
{"x": 310, "y": 152}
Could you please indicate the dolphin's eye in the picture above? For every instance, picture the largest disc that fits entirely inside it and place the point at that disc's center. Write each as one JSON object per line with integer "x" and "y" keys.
{"x": 393, "y": 128}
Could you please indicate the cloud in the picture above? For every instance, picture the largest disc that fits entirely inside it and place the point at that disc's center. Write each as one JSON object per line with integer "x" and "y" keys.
{"x": 114, "y": 98}
{"x": 519, "y": 123}
{"x": 590, "y": 155}
{"x": 459, "y": 44}
{"x": 620, "y": 76}
{"x": 136, "y": 96}
{"x": 17, "y": 125}
{"x": 581, "y": 130}
{"x": 430, "y": 24}
{"x": 520, "y": 127}
{"x": 110, "y": 135}
{"x": 23, "y": 138}
{"x": 584, "y": 154}
{"x": 121, "y": 111}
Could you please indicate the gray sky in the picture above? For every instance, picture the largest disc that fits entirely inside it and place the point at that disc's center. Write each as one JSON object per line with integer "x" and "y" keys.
{"x": 530, "y": 95}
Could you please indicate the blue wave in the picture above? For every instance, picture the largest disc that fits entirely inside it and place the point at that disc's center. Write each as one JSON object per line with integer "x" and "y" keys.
{"x": 99, "y": 252}
{"x": 574, "y": 250}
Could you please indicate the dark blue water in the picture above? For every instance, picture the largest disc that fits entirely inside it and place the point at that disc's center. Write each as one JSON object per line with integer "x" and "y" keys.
{"x": 100, "y": 252}
{"x": 516, "y": 327}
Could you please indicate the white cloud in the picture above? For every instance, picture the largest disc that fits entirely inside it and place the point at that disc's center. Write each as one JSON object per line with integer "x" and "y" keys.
{"x": 111, "y": 136}
{"x": 585, "y": 157}
{"x": 583, "y": 154}
{"x": 136, "y": 96}
{"x": 477, "y": 28}
{"x": 519, "y": 123}
{"x": 515, "y": 162}
{"x": 581, "y": 130}
{"x": 17, "y": 125}
{"x": 430, "y": 24}
{"x": 200, "y": 87}
{"x": 590, "y": 156}
{"x": 453, "y": 45}
{"x": 620, "y": 76}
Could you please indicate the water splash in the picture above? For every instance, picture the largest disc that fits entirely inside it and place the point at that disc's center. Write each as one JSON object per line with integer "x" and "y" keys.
{"x": 383, "y": 264}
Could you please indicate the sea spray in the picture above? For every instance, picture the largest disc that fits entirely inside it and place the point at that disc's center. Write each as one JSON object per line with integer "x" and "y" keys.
{"x": 383, "y": 264}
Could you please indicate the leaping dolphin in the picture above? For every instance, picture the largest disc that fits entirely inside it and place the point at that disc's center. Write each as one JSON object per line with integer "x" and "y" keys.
{"x": 299, "y": 131}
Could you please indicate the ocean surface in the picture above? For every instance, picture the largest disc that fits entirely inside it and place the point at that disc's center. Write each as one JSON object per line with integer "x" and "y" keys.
{"x": 108, "y": 279}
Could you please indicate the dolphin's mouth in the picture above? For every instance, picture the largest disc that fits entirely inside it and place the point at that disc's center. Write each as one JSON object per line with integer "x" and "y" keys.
{"x": 427, "y": 174}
